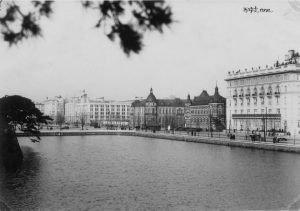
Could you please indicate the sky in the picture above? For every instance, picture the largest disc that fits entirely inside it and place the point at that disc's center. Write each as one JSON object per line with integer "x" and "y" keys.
{"x": 208, "y": 39}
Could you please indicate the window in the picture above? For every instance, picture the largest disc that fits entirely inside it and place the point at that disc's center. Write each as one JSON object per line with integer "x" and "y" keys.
{"x": 278, "y": 110}
{"x": 255, "y": 111}
{"x": 248, "y": 111}
{"x": 262, "y": 111}
{"x": 285, "y": 100}
{"x": 270, "y": 111}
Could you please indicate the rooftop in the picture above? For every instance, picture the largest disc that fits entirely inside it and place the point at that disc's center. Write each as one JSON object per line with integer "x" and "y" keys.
{"x": 290, "y": 64}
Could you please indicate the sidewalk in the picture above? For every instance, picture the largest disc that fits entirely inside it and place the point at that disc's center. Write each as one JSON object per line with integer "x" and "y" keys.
{"x": 224, "y": 140}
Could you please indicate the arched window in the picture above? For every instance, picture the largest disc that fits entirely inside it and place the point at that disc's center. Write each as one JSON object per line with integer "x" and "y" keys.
{"x": 255, "y": 90}
{"x": 270, "y": 89}
{"x": 248, "y": 91}
{"x": 235, "y": 93}
{"x": 242, "y": 92}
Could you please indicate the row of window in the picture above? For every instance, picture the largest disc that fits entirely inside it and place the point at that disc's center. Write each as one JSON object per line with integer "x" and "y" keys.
{"x": 207, "y": 111}
{"x": 263, "y": 79}
{"x": 262, "y": 101}
{"x": 108, "y": 118}
{"x": 256, "y": 111}
{"x": 241, "y": 92}
{"x": 164, "y": 110}
{"x": 111, "y": 106}
{"x": 107, "y": 112}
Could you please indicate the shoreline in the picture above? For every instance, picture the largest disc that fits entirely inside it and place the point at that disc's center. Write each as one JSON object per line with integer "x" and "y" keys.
{"x": 282, "y": 147}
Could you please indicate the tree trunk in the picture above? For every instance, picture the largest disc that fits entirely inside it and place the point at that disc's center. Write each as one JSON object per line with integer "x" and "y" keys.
{"x": 11, "y": 155}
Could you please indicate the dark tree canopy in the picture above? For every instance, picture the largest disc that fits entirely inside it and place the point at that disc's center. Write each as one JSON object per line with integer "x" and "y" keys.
{"x": 141, "y": 16}
{"x": 20, "y": 112}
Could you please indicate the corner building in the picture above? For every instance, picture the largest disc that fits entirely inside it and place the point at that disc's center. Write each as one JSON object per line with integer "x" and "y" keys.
{"x": 265, "y": 98}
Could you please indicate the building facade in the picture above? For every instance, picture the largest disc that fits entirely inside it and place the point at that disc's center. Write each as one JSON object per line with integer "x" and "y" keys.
{"x": 40, "y": 106}
{"x": 97, "y": 111}
{"x": 71, "y": 109}
{"x": 54, "y": 107}
{"x": 265, "y": 98}
{"x": 206, "y": 112}
{"x": 158, "y": 113}
{"x": 110, "y": 113}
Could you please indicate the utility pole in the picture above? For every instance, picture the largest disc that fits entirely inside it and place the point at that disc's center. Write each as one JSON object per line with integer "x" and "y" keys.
{"x": 229, "y": 121}
{"x": 265, "y": 124}
{"x": 210, "y": 117}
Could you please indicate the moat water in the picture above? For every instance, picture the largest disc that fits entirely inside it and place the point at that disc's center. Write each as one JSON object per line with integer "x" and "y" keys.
{"x": 134, "y": 173}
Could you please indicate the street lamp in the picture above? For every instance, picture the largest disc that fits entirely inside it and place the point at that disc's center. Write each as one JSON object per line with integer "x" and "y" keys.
{"x": 265, "y": 120}
{"x": 210, "y": 118}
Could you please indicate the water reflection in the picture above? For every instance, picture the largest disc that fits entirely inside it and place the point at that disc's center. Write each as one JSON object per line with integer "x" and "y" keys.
{"x": 134, "y": 173}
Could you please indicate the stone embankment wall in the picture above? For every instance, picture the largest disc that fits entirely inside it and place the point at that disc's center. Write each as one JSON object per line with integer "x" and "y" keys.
{"x": 207, "y": 140}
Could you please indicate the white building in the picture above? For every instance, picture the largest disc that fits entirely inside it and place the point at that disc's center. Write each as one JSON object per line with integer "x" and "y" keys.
{"x": 98, "y": 111}
{"x": 265, "y": 97}
{"x": 117, "y": 113}
{"x": 54, "y": 107}
{"x": 39, "y": 106}
{"x": 71, "y": 109}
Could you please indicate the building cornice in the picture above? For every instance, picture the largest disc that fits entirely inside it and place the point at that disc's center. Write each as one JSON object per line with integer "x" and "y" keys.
{"x": 265, "y": 72}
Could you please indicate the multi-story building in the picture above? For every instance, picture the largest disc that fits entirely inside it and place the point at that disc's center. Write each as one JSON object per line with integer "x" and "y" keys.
{"x": 98, "y": 111}
{"x": 54, "y": 107}
{"x": 40, "y": 106}
{"x": 115, "y": 113}
{"x": 71, "y": 115}
{"x": 265, "y": 98}
{"x": 154, "y": 113}
{"x": 206, "y": 112}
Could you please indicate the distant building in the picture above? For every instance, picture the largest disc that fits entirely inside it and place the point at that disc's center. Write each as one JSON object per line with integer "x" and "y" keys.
{"x": 54, "y": 107}
{"x": 265, "y": 97}
{"x": 98, "y": 111}
{"x": 71, "y": 109}
{"x": 110, "y": 113}
{"x": 40, "y": 106}
{"x": 153, "y": 113}
{"x": 206, "y": 112}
